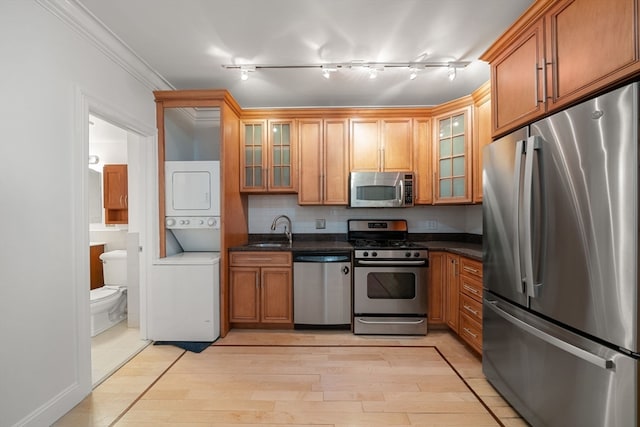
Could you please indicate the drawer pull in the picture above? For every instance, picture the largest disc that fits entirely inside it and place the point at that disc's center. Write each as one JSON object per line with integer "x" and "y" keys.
{"x": 475, "y": 337}
{"x": 471, "y": 310}
{"x": 470, "y": 289}
{"x": 471, "y": 270}
{"x": 258, "y": 259}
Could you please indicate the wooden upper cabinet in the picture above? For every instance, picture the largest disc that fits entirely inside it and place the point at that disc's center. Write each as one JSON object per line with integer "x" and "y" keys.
{"x": 590, "y": 43}
{"x": 381, "y": 145}
{"x": 116, "y": 194}
{"x": 452, "y": 156}
{"x": 397, "y": 145}
{"x": 423, "y": 161}
{"x": 365, "y": 145}
{"x": 558, "y": 53}
{"x": 517, "y": 81}
{"x": 323, "y": 161}
{"x": 481, "y": 136}
{"x": 254, "y": 159}
{"x": 268, "y": 154}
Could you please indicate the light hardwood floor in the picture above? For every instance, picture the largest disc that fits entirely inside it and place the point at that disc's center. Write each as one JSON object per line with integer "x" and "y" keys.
{"x": 275, "y": 378}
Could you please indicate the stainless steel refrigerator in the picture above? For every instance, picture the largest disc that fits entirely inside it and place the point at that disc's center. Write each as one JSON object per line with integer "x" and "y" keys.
{"x": 560, "y": 312}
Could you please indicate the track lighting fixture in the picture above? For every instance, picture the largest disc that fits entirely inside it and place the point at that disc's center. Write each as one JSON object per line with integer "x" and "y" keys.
{"x": 327, "y": 70}
{"x": 245, "y": 70}
{"x": 452, "y": 73}
{"x": 373, "y": 68}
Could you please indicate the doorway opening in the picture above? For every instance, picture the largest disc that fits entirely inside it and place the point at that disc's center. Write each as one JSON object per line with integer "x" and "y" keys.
{"x": 114, "y": 256}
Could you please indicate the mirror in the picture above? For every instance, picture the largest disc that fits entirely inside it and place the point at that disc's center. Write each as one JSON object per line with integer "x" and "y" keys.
{"x": 95, "y": 196}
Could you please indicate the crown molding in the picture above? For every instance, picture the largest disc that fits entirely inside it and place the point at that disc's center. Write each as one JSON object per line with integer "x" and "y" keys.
{"x": 74, "y": 14}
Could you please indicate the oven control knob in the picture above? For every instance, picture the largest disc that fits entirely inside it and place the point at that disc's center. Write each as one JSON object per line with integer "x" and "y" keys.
{"x": 408, "y": 254}
{"x": 416, "y": 254}
{"x": 365, "y": 253}
{"x": 211, "y": 222}
{"x": 374, "y": 253}
{"x": 171, "y": 222}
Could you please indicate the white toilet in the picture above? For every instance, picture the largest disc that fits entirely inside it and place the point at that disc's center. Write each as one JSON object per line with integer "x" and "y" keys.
{"x": 109, "y": 302}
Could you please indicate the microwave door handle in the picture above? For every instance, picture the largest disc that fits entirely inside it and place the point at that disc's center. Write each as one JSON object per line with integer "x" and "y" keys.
{"x": 401, "y": 193}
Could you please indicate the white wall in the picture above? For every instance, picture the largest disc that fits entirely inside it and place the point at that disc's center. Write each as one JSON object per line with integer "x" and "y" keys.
{"x": 47, "y": 70}
{"x": 420, "y": 219}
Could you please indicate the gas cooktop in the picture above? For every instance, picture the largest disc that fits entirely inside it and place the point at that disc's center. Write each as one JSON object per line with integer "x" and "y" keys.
{"x": 385, "y": 244}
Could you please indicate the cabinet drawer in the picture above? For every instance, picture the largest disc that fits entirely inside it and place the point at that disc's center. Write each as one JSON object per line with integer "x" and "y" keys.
{"x": 471, "y": 287}
{"x": 471, "y": 332}
{"x": 260, "y": 258}
{"x": 471, "y": 307}
{"x": 470, "y": 268}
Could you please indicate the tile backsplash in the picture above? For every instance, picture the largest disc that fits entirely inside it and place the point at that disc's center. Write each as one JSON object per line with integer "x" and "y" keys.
{"x": 421, "y": 219}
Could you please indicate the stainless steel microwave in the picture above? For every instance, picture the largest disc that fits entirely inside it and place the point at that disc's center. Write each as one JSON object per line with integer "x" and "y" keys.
{"x": 380, "y": 189}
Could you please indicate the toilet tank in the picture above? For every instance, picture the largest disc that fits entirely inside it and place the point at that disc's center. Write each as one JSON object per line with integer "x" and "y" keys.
{"x": 114, "y": 265}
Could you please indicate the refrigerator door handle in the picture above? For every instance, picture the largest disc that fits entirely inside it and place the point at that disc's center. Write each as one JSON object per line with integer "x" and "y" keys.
{"x": 550, "y": 339}
{"x": 516, "y": 213}
{"x": 533, "y": 143}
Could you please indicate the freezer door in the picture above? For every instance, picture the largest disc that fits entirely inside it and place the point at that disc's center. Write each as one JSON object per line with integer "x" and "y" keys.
{"x": 553, "y": 377}
{"x": 585, "y": 217}
{"x": 503, "y": 169}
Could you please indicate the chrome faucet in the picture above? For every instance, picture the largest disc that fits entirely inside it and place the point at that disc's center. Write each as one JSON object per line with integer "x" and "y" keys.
{"x": 287, "y": 231}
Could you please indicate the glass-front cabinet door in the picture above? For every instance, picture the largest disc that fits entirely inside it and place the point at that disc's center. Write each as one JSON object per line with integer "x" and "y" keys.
{"x": 254, "y": 161}
{"x": 268, "y": 157}
{"x": 452, "y": 157}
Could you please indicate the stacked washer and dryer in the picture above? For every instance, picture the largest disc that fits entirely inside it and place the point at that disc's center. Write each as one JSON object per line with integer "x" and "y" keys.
{"x": 184, "y": 302}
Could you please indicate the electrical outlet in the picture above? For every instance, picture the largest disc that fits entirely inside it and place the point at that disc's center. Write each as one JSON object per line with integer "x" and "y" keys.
{"x": 321, "y": 224}
{"x": 431, "y": 224}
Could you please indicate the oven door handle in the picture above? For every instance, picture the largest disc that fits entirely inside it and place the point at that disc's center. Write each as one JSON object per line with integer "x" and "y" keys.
{"x": 391, "y": 322}
{"x": 394, "y": 263}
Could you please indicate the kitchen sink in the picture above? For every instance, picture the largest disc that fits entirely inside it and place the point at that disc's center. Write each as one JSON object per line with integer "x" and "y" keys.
{"x": 268, "y": 245}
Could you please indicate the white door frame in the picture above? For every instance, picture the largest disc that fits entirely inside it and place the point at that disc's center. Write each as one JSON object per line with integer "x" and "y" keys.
{"x": 146, "y": 151}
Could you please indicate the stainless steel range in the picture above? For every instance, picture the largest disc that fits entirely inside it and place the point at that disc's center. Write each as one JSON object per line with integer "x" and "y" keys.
{"x": 389, "y": 279}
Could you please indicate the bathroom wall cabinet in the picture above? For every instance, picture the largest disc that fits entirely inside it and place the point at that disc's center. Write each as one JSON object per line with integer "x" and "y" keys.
{"x": 116, "y": 196}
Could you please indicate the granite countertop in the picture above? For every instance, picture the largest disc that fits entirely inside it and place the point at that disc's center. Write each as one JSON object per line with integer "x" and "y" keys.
{"x": 470, "y": 250}
{"x": 298, "y": 245}
{"x": 308, "y": 244}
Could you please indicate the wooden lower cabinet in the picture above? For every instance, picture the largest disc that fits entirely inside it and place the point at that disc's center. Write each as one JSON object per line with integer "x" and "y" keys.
{"x": 95, "y": 266}
{"x": 455, "y": 295}
{"x": 452, "y": 291}
{"x": 436, "y": 288}
{"x": 470, "y": 309}
{"x": 261, "y": 289}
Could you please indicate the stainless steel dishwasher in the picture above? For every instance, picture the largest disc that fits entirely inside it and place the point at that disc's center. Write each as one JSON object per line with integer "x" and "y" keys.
{"x": 322, "y": 290}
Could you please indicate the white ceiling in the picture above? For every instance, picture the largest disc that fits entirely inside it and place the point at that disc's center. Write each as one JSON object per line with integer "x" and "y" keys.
{"x": 188, "y": 41}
